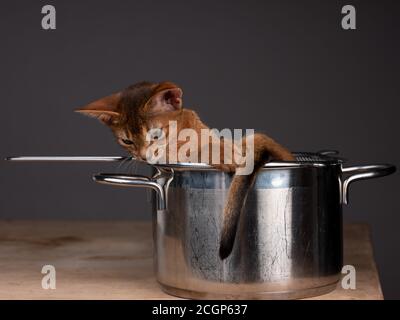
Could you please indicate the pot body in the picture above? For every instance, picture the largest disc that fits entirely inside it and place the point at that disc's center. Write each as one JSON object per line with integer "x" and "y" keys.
{"x": 289, "y": 239}
{"x": 288, "y": 244}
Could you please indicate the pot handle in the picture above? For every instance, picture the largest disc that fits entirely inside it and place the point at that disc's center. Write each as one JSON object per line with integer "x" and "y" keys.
{"x": 362, "y": 173}
{"x": 134, "y": 181}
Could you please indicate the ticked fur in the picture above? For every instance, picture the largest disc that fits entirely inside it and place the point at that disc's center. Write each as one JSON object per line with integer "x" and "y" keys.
{"x": 139, "y": 108}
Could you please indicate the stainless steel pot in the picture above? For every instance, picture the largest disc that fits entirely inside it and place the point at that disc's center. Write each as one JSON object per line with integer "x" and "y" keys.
{"x": 289, "y": 240}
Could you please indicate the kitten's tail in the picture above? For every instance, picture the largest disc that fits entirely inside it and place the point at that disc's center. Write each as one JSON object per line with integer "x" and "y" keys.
{"x": 265, "y": 149}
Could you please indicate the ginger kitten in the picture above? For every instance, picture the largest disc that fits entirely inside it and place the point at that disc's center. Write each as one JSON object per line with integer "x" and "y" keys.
{"x": 144, "y": 106}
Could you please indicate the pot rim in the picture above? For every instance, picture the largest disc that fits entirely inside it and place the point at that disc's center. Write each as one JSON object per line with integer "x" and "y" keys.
{"x": 307, "y": 159}
{"x": 324, "y": 161}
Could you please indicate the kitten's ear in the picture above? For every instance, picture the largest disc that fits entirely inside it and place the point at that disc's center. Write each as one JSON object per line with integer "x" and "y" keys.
{"x": 103, "y": 109}
{"x": 167, "y": 97}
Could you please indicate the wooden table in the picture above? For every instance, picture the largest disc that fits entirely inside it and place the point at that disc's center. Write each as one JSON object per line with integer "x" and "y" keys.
{"x": 113, "y": 260}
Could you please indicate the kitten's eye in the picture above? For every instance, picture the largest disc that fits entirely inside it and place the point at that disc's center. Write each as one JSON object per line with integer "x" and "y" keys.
{"x": 126, "y": 141}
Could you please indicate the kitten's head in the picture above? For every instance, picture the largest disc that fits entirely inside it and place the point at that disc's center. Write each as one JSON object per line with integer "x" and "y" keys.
{"x": 135, "y": 110}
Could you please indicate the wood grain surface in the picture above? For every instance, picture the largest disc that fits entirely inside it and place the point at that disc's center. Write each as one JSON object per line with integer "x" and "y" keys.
{"x": 113, "y": 260}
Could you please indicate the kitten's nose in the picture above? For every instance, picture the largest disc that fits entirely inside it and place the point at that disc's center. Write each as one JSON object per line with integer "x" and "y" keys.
{"x": 142, "y": 155}
{"x": 136, "y": 156}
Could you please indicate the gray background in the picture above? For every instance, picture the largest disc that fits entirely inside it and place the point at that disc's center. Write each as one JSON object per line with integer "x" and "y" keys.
{"x": 284, "y": 67}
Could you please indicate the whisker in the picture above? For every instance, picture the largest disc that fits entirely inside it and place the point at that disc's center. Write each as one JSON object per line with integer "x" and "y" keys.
{"x": 119, "y": 165}
{"x": 122, "y": 164}
{"x": 132, "y": 167}
{"x": 134, "y": 170}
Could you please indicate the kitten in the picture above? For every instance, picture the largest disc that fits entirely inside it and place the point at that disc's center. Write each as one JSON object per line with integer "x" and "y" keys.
{"x": 141, "y": 107}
